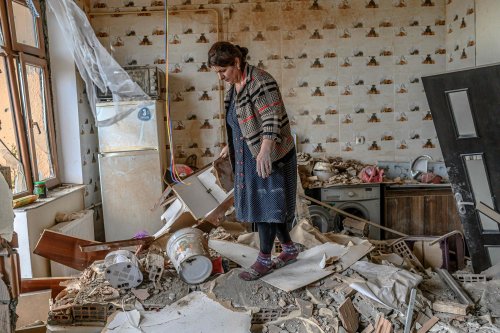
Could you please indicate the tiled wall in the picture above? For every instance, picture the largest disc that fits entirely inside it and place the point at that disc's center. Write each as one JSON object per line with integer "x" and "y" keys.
{"x": 461, "y": 34}
{"x": 349, "y": 70}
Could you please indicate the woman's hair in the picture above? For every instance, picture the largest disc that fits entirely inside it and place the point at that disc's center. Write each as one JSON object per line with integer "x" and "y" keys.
{"x": 224, "y": 54}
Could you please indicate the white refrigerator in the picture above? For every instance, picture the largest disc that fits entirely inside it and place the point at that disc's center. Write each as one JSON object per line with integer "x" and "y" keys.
{"x": 132, "y": 163}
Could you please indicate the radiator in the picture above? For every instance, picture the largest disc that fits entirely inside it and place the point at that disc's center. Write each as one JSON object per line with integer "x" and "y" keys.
{"x": 81, "y": 228}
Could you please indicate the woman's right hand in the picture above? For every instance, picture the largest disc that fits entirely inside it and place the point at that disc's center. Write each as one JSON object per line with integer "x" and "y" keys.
{"x": 224, "y": 152}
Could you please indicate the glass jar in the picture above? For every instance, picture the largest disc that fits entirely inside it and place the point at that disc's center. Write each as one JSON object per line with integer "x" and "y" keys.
{"x": 40, "y": 189}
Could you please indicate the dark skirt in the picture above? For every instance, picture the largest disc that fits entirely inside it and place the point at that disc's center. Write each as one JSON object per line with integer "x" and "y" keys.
{"x": 257, "y": 199}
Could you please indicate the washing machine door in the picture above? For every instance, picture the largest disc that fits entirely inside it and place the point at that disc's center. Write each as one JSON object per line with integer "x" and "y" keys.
{"x": 353, "y": 208}
{"x": 321, "y": 218}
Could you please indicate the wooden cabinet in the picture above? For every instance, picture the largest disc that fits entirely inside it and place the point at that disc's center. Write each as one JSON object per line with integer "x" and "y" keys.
{"x": 422, "y": 211}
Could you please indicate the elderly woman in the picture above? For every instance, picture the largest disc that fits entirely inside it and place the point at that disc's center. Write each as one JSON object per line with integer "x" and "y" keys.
{"x": 262, "y": 153}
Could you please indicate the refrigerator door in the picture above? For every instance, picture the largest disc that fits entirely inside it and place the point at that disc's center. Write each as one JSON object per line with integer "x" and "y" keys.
{"x": 131, "y": 183}
{"x": 139, "y": 129}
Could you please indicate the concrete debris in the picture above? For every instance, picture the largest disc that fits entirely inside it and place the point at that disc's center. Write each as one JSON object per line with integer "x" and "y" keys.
{"x": 366, "y": 289}
{"x": 318, "y": 172}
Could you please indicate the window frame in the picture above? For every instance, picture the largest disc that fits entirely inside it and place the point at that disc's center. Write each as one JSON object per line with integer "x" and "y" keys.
{"x": 19, "y": 123}
{"x": 20, "y": 47}
{"x": 25, "y": 59}
{"x": 17, "y": 55}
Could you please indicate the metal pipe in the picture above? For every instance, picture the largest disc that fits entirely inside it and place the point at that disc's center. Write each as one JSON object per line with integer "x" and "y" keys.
{"x": 409, "y": 311}
{"x": 342, "y": 212}
{"x": 450, "y": 282}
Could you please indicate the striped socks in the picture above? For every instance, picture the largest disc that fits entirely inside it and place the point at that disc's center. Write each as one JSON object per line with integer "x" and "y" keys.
{"x": 290, "y": 248}
{"x": 264, "y": 259}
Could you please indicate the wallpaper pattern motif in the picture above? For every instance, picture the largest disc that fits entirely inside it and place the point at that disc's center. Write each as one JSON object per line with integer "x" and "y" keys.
{"x": 349, "y": 70}
{"x": 460, "y": 29}
{"x": 90, "y": 167}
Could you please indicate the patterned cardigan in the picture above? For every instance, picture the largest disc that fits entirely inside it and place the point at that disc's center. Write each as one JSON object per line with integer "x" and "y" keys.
{"x": 261, "y": 114}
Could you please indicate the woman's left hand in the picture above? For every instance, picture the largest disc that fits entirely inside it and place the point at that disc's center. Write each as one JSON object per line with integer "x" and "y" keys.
{"x": 264, "y": 166}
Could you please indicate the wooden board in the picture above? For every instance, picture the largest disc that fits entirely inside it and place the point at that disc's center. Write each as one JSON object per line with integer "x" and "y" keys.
{"x": 65, "y": 250}
{"x": 349, "y": 316}
{"x": 108, "y": 246}
{"x": 300, "y": 273}
{"x": 450, "y": 307}
{"x": 383, "y": 325}
{"x": 36, "y": 284}
{"x": 428, "y": 325}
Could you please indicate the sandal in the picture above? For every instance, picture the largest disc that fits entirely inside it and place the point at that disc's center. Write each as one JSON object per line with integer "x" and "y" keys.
{"x": 280, "y": 261}
{"x": 252, "y": 274}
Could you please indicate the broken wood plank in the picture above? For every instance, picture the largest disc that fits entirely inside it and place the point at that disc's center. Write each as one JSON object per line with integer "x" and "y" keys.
{"x": 368, "y": 329}
{"x": 383, "y": 325}
{"x": 349, "y": 316}
{"x": 342, "y": 212}
{"x": 355, "y": 227}
{"x": 421, "y": 318}
{"x": 109, "y": 246}
{"x": 65, "y": 250}
{"x": 451, "y": 307}
{"x": 428, "y": 325}
{"x": 37, "y": 284}
{"x": 344, "y": 290}
{"x": 11, "y": 272}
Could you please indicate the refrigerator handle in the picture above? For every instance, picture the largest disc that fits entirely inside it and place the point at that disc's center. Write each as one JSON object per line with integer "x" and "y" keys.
{"x": 128, "y": 152}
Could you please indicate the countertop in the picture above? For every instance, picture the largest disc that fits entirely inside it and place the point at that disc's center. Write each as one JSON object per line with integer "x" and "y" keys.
{"x": 392, "y": 185}
{"x": 418, "y": 185}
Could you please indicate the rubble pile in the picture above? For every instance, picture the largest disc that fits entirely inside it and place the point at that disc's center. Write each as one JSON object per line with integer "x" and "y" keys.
{"x": 367, "y": 295}
{"x": 324, "y": 172}
{"x": 91, "y": 299}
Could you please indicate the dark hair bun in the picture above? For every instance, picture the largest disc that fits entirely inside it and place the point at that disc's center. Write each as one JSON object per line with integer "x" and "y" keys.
{"x": 243, "y": 50}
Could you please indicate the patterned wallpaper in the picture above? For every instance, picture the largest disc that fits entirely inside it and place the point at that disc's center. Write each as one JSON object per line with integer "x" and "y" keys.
{"x": 460, "y": 39}
{"x": 195, "y": 93}
{"x": 349, "y": 70}
{"x": 90, "y": 165}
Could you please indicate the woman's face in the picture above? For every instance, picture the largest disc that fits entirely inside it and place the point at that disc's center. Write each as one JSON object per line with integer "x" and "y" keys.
{"x": 230, "y": 74}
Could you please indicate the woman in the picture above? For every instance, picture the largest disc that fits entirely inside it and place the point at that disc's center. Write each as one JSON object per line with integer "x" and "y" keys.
{"x": 262, "y": 154}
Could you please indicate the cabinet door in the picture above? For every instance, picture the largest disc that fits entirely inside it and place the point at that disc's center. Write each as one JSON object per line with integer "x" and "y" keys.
{"x": 404, "y": 214}
{"x": 440, "y": 214}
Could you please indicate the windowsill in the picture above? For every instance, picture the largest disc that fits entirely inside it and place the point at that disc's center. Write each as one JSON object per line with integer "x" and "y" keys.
{"x": 53, "y": 195}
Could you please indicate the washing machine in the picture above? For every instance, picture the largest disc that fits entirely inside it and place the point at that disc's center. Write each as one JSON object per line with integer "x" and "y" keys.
{"x": 362, "y": 200}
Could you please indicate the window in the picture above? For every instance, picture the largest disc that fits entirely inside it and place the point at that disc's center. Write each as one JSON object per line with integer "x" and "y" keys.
{"x": 27, "y": 138}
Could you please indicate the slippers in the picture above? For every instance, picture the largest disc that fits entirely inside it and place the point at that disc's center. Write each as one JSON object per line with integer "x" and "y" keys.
{"x": 279, "y": 263}
{"x": 283, "y": 260}
{"x": 252, "y": 274}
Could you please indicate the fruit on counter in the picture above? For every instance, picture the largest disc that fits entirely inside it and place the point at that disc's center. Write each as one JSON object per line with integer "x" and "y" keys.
{"x": 16, "y": 203}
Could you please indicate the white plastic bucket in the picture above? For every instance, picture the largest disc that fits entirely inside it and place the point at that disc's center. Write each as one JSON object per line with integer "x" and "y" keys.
{"x": 188, "y": 250}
